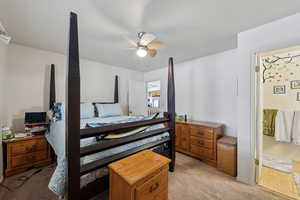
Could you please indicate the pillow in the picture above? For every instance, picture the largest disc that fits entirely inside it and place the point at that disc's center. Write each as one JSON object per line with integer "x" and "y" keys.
{"x": 87, "y": 111}
{"x": 57, "y": 113}
{"x": 109, "y": 110}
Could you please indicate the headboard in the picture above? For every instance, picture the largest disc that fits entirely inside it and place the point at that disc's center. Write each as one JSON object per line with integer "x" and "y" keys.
{"x": 52, "y": 99}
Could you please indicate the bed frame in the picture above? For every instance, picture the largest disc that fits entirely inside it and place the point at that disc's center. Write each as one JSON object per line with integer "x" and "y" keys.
{"x": 74, "y": 133}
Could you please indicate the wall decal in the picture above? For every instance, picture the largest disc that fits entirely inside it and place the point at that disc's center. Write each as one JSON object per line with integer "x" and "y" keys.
{"x": 279, "y": 89}
{"x": 295, "y": 84}
{"x": 280, "y": 78}
{"x": 271, "y": 66}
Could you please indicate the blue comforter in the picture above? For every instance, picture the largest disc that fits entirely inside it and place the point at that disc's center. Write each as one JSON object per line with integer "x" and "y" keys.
{"x": 56, "y": 138}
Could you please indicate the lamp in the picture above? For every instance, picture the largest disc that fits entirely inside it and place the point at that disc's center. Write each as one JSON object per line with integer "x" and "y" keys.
{"x": 141, "y": 52}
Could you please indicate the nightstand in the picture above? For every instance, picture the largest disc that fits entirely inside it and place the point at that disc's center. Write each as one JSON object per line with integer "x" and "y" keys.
{"x": 24, "y": 153}
{"x": 142, "y": 176}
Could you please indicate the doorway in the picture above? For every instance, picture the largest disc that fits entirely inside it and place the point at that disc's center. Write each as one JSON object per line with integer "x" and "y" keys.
{"x": 137, "y": 98}
{"x": 278, "y": 116}
{"x": 153, "y": 97}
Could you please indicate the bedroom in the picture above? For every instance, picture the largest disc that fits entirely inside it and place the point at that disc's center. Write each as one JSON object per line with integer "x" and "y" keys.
{"x": 213, "y": 69}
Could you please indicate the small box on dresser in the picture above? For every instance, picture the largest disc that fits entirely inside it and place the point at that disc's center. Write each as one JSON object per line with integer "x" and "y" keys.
{"x": 143, "y": 176}
{"x": 24, "y": 153}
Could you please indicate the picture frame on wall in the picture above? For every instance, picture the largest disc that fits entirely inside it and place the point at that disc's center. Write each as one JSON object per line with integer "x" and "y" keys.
{"x": 279, "y": 89}
{"x": 295, "y": 84}
{"x": 298, "y": 96}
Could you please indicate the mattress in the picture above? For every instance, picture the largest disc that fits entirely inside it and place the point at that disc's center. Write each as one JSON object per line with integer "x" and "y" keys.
{"x": 56, "y": 138}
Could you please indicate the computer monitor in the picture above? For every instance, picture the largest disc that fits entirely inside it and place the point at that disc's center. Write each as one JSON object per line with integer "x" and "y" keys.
{"x": 35, "y": 117}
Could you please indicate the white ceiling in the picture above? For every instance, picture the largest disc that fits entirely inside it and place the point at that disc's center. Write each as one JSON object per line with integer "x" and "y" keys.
{"x": 190, "y": 29}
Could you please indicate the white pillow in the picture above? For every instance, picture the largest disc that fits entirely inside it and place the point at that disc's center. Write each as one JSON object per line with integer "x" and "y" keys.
{"x": 109, "y": 110}
{"x": 87, "y": 111}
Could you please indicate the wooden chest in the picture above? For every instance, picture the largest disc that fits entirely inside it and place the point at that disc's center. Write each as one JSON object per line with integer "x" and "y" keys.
{"x": 227, "y": 155}
{"x": 199, "y": 139}
{"x": 25, "y": 153}
{"x": 143, "y": 176}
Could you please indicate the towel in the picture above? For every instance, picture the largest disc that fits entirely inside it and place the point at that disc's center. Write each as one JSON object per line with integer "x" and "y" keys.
{"x": 296, "y": 129}
{"x": 269, "y": 122}
{"x": 284, "y": 125}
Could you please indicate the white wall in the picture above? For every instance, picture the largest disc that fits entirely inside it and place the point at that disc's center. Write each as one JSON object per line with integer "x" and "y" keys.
{"x": 205, "y": 88}
{"x": 29, "y": 74}
{"x": 3, "y": 67}
{"x": 226, "y": 91}
{"x": 276, "y": 35}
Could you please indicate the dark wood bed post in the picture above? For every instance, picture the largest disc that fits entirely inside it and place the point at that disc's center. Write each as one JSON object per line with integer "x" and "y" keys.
{"x": 52, "y": 87}
{"x": 116, "y": 97}
{"x": 74, "y": 133}
{"x": 73, "y": 112}
{"x": 171, "y": 112}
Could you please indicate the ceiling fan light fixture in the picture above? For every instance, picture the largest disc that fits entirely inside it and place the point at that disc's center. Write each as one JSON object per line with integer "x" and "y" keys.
{"x": 141, "y": 52}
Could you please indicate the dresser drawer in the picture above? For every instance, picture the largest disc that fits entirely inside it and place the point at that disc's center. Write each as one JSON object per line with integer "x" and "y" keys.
{"x": 209, "y": 144}
{"x": 162, "y": 195}
{"x": 30, "y": 158}
{"x": 202, "y": 132}
{"x": 28, "y": 146}
{"x": 153, "y": 188}
{"x": 202, "y": 152}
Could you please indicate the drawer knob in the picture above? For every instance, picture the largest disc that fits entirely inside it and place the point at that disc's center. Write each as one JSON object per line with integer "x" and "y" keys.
{"x": 154, "y": 187}
{"x": 200, "y": 133}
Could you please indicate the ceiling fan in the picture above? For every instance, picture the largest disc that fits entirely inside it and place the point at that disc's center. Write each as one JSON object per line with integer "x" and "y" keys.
{"x": 146, "y": 45}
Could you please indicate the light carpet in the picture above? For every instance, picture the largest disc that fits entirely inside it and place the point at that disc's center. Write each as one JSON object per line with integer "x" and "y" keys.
{"x": 192, "y": 180}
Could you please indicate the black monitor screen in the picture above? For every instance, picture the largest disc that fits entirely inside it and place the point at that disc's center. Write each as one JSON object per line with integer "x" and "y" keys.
{"x": 35, "y": 117}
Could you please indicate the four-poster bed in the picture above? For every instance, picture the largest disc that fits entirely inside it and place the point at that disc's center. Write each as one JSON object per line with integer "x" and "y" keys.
{"x": 74, "y": 133}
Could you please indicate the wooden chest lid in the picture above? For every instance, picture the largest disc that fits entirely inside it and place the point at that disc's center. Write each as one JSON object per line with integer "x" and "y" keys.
{"x": 228, "y": 140}
{"x": 136, "y": 167}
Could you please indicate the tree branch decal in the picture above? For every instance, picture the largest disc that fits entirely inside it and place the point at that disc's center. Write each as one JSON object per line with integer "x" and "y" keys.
{"x": 269, "y": 63}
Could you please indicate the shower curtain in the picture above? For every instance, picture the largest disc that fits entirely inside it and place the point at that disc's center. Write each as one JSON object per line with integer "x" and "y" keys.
{"x": 296, "y": 129}
{"x": 284, "y": 126}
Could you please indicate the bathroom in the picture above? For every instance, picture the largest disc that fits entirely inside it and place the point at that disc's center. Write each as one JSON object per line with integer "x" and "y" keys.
{"x": 278, "y": 101}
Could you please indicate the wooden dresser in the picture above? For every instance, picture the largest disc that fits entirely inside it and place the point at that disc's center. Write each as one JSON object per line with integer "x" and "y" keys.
{"x": 143, "y": 176}
{"x": 25, "y": 153}
{"x": 199, "y": 139}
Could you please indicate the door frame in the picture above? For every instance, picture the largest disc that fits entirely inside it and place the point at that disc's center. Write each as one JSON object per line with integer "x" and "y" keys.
{"x": 258, "y": 122}
{"x": 160, "y": 98}
{"x": 258, "y": 106}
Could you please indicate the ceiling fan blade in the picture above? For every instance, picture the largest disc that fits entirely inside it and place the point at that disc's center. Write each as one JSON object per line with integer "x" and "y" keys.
{"x": 129, "y": 48}
{"x": 131, "y": 42}
{"x": 147, "y": 38}
{"x": 152, "y": 52}
{"x": 156, "y": 45}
